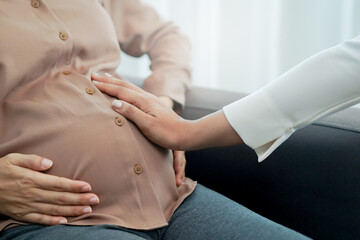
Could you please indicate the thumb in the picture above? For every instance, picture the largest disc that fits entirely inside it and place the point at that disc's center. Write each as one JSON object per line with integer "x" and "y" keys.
{"x": 33, "y": 162}
{"x": 132, "y": 113}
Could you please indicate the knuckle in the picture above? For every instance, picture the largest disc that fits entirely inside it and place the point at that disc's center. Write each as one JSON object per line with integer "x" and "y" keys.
{"x": 147, "y": 97}
{"x": 7, "y": 160}
{"x": 77, "y": 211}
{"x": 28, "y": 194}
{"x": 83, "y": 199}
{"x": 62, "y": 200}
{"x": 11, "y": 171}
{"x": 12, "y": 155}
{"x": 34, "y": 157}
{"x": 42, "y": 219}
{"x": 121, "y": 82}
{"x": 54, "y": 210}
{"x": 58, "y": 184}
{"x": 73, "y": 211}
{"x": 72, "y": 185}
{"x": 18, "y": 213}
{"x": 51, "y": 221}
{"x": 129, "y": 110}
{"x": 25, "y": 182}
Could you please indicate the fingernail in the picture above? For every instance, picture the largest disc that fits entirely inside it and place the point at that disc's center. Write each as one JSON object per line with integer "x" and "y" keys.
{"x": 86, "y": 188}
{"x": 94, "y": 200}
{"x": 87, "y": 210}
{"x": 63, "y": 221}
{"x": 108, "y": 74}
{"x": 94, "y": 81}
{"x": 117, "y": 104}
{"x": 46, "y": 163}
{"x": 95, "y": 74}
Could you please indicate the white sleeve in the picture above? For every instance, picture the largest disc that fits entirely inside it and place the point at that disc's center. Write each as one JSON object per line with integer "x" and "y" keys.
{"x": 323, "y": 84}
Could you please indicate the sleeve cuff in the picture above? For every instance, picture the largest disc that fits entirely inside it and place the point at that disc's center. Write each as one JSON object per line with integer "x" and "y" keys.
{"x": 258, "y": 123}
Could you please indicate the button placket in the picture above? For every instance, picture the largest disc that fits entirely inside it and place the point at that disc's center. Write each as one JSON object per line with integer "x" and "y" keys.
{"x": 138, "y": 169}
{"x": 90, "y": 90}
{"x": 67, "y": 40}
{"x": 63, "y": 36}
{"x": 35, "y": 3}
{"x": 119, "y": 121}
{"x": 62, "y": 33}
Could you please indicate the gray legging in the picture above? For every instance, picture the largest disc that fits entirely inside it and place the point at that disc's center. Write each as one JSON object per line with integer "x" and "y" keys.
{"x": 205, "y": 214}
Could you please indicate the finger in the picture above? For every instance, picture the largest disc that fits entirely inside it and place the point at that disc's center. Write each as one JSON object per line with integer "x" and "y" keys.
{"x": 177, "y": 161}
{"x": 140, "y": 118}
{"x": 122, "y": 93}
{"x": 183, "y": 167}
{"x": 43, "y": 219}
{"x": 183, "y": 172}
{"x": 57, "y": 210}
{"x": 60, "y": 184}
{"x": 179, "y": 180}
{"x": 179, "y": 158}
{"x": 33, "y": 162}
{"x": 116, "y": 81}
{"x": 65, "y": 198}
{"x": 181, "y": 177}
{"x": 38, "y": 163}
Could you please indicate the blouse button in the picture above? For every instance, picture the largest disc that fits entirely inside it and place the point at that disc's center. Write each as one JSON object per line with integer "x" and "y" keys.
{"x": 63, "y": 36}
{"x": 66, "y": 72}
{"x": 35, "y": 3}
{"x": 119, "y": 121}
{"x": 90, "y": 91}
{"x": 138, "y": 169}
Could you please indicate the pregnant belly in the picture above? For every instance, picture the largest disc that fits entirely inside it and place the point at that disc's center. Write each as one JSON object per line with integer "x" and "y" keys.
{"x": 94, "y": 148}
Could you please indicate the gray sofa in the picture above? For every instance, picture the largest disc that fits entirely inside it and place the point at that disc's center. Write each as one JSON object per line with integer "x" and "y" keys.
{"x": 311, "y": 183}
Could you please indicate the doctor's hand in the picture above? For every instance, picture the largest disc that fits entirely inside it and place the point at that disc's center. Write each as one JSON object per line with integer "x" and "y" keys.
{"x": 161, "y": 124}
{"x": 28, "y": 195}
{"x": 156, "y": 120}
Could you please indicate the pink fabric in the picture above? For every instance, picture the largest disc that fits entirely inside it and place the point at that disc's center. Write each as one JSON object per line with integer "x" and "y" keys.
{"x": 45, "y": 110}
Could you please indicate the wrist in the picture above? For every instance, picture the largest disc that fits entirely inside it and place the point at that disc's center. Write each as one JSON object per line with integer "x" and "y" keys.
{"x": 189, "y": 134}
{"x": 210, "y": 131}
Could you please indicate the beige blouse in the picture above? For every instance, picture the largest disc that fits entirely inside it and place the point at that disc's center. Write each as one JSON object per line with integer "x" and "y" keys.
{"x": 49, "y": 107}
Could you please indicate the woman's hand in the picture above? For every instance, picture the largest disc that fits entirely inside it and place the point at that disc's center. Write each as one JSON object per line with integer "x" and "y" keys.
{"x": 179, "y": 166}
{"x": 179, "y": 156}
{"x": 155, "y": 119}
{"x": 161, "y": 124}
{"x": 28, "y": 195}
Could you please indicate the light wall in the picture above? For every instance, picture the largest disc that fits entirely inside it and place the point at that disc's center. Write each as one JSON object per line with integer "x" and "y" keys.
{"x": 242, "y": 45}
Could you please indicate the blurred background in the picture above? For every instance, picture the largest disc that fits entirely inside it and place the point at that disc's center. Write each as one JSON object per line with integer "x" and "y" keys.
{"x": 241, "y": 45}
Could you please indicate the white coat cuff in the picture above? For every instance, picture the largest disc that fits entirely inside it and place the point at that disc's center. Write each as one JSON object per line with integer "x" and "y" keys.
{"x": 258, "y": 123}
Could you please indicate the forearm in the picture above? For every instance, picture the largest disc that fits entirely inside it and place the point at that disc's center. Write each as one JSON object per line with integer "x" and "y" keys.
{"x": 171, "y": 71}
{"x": 210, "y": 131}
{"x": 140, "y": 30}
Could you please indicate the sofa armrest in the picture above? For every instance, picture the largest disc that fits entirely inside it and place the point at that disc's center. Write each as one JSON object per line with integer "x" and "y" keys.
{"x": 202, "y": 101}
